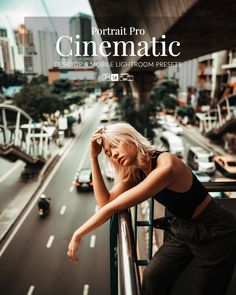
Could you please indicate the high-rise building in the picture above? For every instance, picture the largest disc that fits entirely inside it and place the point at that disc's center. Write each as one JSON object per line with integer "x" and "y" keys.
{"x": 230, "y": 68}
{"x": 5, "y": 59}
{"x": 46, "y": 55}
{"x": 80, "y": 24}
{"x": 24, "y": 49}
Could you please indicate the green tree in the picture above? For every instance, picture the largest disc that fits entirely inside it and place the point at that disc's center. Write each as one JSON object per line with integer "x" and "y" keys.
{"x": 165, "y": 94}
{"x": 13, "y": 79}
{"x": 34, "y": 100}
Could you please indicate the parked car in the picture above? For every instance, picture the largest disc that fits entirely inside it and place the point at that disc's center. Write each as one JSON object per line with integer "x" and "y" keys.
{"x": 200, "y": 159}
{"x": 226, "y": 165}
{"x": 173, "y": 143}
{"x": 202, "y": 176}
{"x": 84, "y": 180}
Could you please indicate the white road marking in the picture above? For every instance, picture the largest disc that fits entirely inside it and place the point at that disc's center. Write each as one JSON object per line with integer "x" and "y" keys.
{"x": 92, "y": 241}
{"x": 43, "y": 188}
{"x": 84, "y": 157}
{"x": 71, "y": 189}
{"x": 9, "y": 172}
{"x": 96, "y": 208}
{"x": 63, "y": 209}
{"x": 31, "y": 290}
{"x": 50, "y": 240}
{"x": 86, "y": 290}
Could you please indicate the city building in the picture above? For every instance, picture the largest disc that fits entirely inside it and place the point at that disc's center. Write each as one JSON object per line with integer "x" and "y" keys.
{"x": 201, "y": 80}
{"x": 186, "y": 75}
{"x": 81, "y": 24}
{"x": 230, "y": 68}
{"x": 24, "y": 50}
{"x": 46, "y": 55}
{"x": 6, "y": 62}
{"x": 74, "y": 75}
{"x": 211, "y": 77}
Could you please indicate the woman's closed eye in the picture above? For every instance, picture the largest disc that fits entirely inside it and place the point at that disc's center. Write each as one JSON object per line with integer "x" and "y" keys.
{"x": 108, "y": 154}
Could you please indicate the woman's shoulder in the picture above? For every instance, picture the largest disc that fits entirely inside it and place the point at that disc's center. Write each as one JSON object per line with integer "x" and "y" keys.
{"x": 168, "y": 159}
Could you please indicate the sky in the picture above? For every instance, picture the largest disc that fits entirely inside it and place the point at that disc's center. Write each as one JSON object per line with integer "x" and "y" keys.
{"x": 16, "y": 10}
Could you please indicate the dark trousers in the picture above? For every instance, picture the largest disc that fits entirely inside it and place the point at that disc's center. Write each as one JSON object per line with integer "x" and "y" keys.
{"x": 211, "y": 238}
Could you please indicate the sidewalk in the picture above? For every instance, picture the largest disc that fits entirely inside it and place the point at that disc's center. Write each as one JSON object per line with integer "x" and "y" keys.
{"x": 15, "y": 208}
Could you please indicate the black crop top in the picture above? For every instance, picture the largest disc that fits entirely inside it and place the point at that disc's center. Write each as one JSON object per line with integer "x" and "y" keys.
{"x": 181, "y": 205}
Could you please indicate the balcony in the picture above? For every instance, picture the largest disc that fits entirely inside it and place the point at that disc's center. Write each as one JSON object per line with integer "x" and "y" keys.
{"x": 126, "y": 266}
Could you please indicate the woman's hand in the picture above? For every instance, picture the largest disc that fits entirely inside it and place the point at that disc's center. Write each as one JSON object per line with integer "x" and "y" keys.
{"x": 73, "y": 247}
{"x": 96, "y": 143}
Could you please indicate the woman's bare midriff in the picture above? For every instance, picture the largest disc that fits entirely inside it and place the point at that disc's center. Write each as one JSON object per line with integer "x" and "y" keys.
{"x": 200, "y": 208}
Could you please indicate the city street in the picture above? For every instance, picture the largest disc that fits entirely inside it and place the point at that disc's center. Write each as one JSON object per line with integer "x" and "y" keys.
{"x": 35, "y": 261}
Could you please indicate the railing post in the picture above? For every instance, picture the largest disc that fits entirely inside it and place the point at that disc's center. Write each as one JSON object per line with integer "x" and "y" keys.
{"x": 113, "y": 255}
{"x": 150, "y": 229}
{"x": 17, "y": 129}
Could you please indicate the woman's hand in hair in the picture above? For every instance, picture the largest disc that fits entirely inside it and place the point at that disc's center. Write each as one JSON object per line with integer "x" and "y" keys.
{"x": 96, "y": 143}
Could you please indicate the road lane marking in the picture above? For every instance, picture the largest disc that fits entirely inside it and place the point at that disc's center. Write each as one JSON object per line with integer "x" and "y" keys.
{"x": 63, "y": 209}
{"x": 92, "y": 241}
{"x": 31, "y": 290}
{"x": 86, "y": 290}
{"x": 41, "y": 190}
{"x": 79, "y": 168}
{"x": 96, "y": 208}
{"x": 50, "y": 240}
{"x": 9, "y": 172}
{"x": 71, "y": 189}
{"x": 84, "y": 157}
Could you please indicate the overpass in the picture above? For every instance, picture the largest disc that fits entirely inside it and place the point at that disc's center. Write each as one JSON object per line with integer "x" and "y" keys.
{"x": 21, "y": 138}
{"x": 201, "y": 27}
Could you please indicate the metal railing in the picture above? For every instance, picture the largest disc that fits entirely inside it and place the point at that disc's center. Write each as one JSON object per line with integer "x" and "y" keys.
{"x": 17, "y": 130}
{"x": 124, "y": 273}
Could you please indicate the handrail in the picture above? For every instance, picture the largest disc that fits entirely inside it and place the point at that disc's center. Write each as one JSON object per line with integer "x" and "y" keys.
{"x": 128, "y": 274}
{"x": 124, "y": 264}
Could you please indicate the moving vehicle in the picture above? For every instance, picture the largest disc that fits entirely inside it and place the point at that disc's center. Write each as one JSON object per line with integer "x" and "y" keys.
{"x": 202, "y": 176}
{"x": 84, "y": 180}
{"x": 226, "y": 165}
{"x": 173, "y": 127}
{"x": 43, "y": 205}
{"x": 173, "y": 143}
{"x": 200, "y": 159}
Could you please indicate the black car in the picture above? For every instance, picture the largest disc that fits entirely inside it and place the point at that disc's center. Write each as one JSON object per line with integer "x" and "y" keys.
{"x": 84, "y": 180}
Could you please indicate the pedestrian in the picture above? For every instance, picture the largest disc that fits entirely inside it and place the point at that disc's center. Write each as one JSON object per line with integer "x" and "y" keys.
{"x": 200, "y": 227}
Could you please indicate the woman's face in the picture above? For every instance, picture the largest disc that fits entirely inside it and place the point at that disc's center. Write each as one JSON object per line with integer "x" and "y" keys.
{"x": 124, "y": 154}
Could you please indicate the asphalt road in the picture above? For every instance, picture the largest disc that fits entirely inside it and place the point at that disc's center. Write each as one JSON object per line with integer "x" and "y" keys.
{"x": 35, "y": 262}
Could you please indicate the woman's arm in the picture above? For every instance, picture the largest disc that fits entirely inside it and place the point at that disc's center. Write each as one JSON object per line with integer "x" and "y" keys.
{"x": 157, "y": 180}
{"x": 102, "y": 195}
{"x": 100, "y": 190}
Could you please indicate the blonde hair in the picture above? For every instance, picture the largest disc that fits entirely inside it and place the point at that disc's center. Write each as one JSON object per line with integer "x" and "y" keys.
{"x": 124, "y": 132}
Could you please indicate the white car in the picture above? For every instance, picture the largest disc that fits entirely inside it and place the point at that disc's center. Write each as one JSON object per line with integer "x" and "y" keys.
{"x": 202, "y": 177}
{"x": 173, "y": 127}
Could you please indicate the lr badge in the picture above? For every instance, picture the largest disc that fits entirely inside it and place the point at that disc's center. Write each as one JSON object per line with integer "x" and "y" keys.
{"x": 114, "y": 77}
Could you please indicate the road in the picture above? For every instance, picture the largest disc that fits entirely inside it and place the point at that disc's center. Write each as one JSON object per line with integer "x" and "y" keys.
{"x": 35, "y": 261}
{"x": 187, "y": 142}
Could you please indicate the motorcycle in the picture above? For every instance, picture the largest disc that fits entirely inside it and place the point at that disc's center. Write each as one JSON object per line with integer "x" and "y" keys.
{"x": 43, "y": 206}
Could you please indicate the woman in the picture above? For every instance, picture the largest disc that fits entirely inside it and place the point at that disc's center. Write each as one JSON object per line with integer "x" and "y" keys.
{"x": 201, "y": 229}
